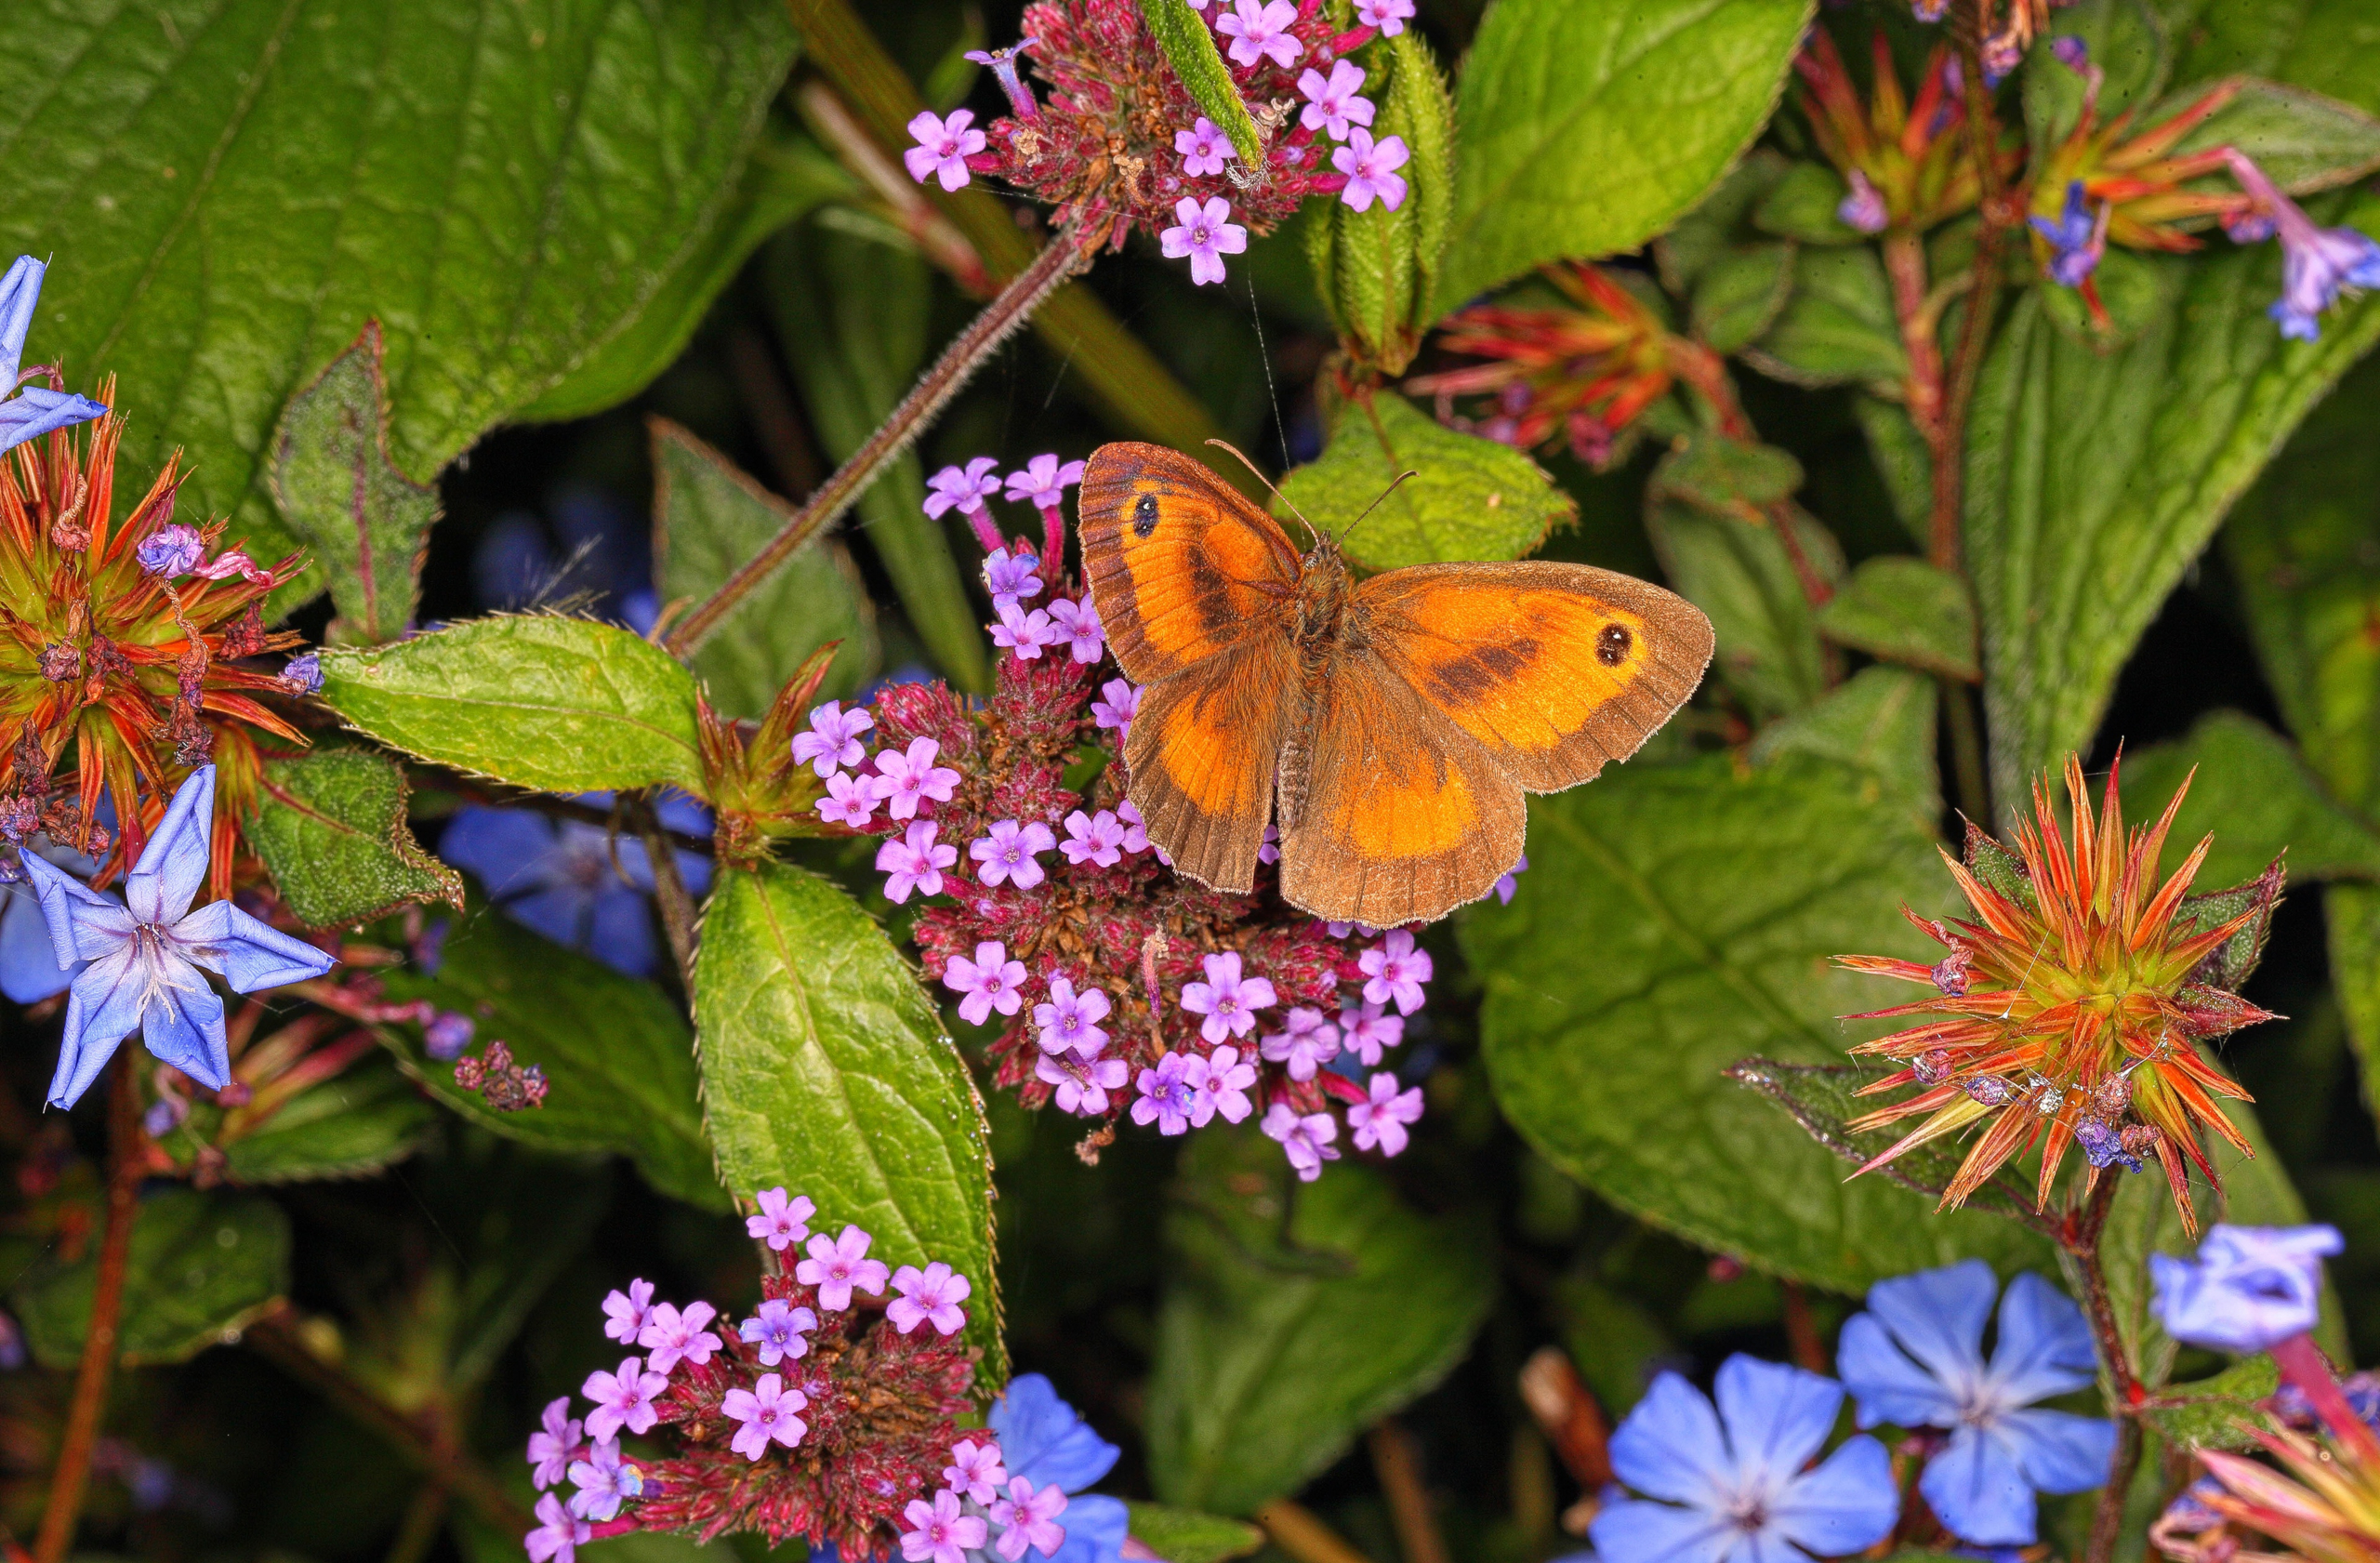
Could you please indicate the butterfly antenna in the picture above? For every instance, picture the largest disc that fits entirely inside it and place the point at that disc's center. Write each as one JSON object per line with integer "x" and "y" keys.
{"x": 1377, "y": 503}
{"x": 1225, "y": 444}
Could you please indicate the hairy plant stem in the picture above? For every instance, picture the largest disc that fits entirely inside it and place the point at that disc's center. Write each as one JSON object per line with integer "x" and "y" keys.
{"x": 1059, "y": 260}
{"x": 679, "y": 913}
{"x": 1905, "y": 264}
{"x": 2080, "y": 1237}
{"x": 70, "y": 1479}
{"x": 1949, "y": 446}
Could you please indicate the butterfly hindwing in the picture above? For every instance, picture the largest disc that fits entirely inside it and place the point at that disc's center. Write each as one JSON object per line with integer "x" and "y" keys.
{"x": 1201, "y": 755}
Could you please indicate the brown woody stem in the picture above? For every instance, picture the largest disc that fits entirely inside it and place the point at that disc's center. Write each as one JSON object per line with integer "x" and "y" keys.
{"x": 1058, "y": 261}
{"x": 1397, "y": 1464}
{"x": 678, "y": 915}
{"x": 71, "y": 1478}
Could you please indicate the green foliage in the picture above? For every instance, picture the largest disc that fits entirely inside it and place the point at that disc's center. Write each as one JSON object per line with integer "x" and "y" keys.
{"x": 1740, "y": 294}
{"x": 331, "y": 829}
{"x": 365, "y": 1118}
{"x": 2094, "y": 479}
{"x": 617, "y": 1055}
{"x": 825, "y": 1070}
{"x": 1879, "y": 721}
{"x": 1376, "y": 269}
{"x": 2255, "y": 795}
{"x": 2218, "y": 1413}
{"x": 562, "y": 704}
{"x": 1906, "y": 610}
{"x": 1187, "y": 1536}
{"x": 707, "y": 519}
{"x": 367, "y": 523}
{"x": 1803, "y": 204}
{"x": 1295, "y": 1315}
{"x": 200, "y": 1266}
{"x": 507, "y": 189}
{"x": 1189, "y": 46}
{"x": 1557, "y": 106}
{"x": 1838, "y": 327}
{"x": 2303, "y": 141}
{"x": 1613, "y": 1069}
{"x": 1471, "y": 500}
{"x": 2319, "y": 44}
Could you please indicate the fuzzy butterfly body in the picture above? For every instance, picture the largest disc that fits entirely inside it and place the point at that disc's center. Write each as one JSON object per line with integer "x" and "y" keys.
{"x": 1390, "y": 727}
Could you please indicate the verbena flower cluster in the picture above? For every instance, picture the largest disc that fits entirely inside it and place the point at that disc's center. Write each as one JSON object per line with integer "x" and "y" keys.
{"x": 1121, "y": 144}
{"x": 1120, "y": 987}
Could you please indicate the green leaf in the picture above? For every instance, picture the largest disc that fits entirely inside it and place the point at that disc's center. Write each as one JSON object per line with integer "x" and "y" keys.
{"x": 1838, "y": 328}
{"x": 1901, "y": 460}
{"x": 561, "y": 705}
{"x": 1881, "y": 721}
{"x": 2128, "y": 43}
{"x": 1187, "y": 1536}
{"x": 1614, "y": 1342}
{"x": 707, "y": 519}
{"x": 1721, "y": 223}
{"x": 618, "y": 1059}
{"x": 1713, "y": 902}
{"x": 331, "y": 829}
{"x": 339, "y": 492}
{"x": 235, "y": 187}
{"x": 202, "y": 1265}
{"x": 1295, "y": 1315}
{"x": 1823, "y": 1100}
{"x": 1557, "y": 108}
{"x": 851, "y": 315}
{"x": 2352, "y": 912}
{"x": 2303, "y": 142}
{"x": 1471, "y": 500}
{"x": 1376, "y": 269}
{"x": 2217, "y": 1413}
{"x": 1189, "y": 46}
{"x": 2255, "y": 796}
{"x": 2322, "y": 44}
{"x": 1904, "y": 610}
{"x": 1803, "y": 204}
{"x": 825, "y": 1069}
{"x": 1740, "y": 294}
{"x": 362, "y": 1119}
{"x": 2093, "y": 481}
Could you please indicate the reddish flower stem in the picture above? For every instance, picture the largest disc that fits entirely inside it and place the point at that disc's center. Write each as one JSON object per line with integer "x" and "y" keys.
{"x": 1905, "y": 265}
{"x": 71, "y": 1478}
{"x": 2081, "y": 1239}
{"x": 2000, "y": 214}
{"x": 2303, "y": 1364}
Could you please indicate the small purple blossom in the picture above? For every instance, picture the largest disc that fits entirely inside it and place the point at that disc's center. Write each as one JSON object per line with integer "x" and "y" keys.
{"x": 1509, "y": 885}
{"x": 170, "y": 550}
{"x": 834, "y": 1267}
{"x": 767, "y": 1411}
{"x": 939, "y": 1531}
{"x": 990, "y": 982}
{"x": 943, "y": 146}
{"x": 622, "y": 1399}
{"x": 1370, "y": 168}
{"x": 1258, "y": 28}
{"x": 1203, "y": 148}
{"x": 1097, "y": 839}
{"x": 671, "y": 1335}
{"x": 550, "y": 1446}
{"x": 1389, "y": 16}
{"x": 1864, "y": 207}
{"x": 1395, "y": 970}
{"x": 1007, "y": 853}
{"x": 849, "y": 802}
{"x": 1381, "y": 1122}
{"x": 302, "y": 674}
{"x": 558, "y": 1535}
{"x": 1332, "y": 105}
{"x": 1078, "y": 1087}
{"x": 1011, "y": 577}
{"x": 1004, "y": 70}
{"x": 1305, "y": 1139}
{"x": 975, "y": 1470}
{"x": 929, "y": 1296}
{"x": 780, "y": 1330}
{"x": 1023, "y": 634}
{"x": 1228, "y": 1001}
{"x": 1077, "y": 624}
{"x": 626, "y": 1315}
{"x": 1128, "y": 813}
{"x": 1169, "y": 1095}
{"x": 963, "y": 489}
{"x": 1229, "y": 1079}
{"x": 604, "y": 1480}
{"x": 1069, "y": 1022}
{"x": 1206, "y": 234}
{"x": 1268, "y": 845}
{"x": 2076, "y": 239}
{"x": 447, "y": 1034}
{"x": 1029, "y": 1519}
{"x": 1115, "y": 712}
{"x": 1308, "y": 1043}
{"x": 904, "y": 780}
{"x": 2071, "y": 52}
{"x": 833, "y": 738}
{"x": 2250, "y": 1288}
{"x": 782, "y": 1222}
{"x": 1043, "y": 482}
{"x": 914, "y": 861}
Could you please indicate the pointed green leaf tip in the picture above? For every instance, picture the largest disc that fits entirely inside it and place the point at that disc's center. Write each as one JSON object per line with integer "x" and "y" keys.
{"x": 331, "y": 829}
{"x": 1190, "y": 48}
{"x": 366, "y": 522}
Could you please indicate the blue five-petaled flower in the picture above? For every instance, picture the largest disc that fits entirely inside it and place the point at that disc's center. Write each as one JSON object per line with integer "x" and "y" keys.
{"x": 1732, "y": 1479}
{"x": 1044, "y": 1441}
{"x": 36, "y": 409}
{"x": 145, "y": 952}
{"x": 1915, "y": 1359}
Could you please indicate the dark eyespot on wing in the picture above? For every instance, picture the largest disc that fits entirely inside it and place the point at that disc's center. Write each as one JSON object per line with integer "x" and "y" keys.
{"x": 1611, "y": 646}
{"x": 1144, "y": 515}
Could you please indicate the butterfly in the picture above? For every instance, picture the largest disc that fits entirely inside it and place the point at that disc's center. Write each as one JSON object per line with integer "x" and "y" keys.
{"x": 1392, "y": 725}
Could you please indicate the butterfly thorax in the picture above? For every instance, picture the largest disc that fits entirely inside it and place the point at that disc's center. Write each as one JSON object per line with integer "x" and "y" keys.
{"x": 1330, "y": 623}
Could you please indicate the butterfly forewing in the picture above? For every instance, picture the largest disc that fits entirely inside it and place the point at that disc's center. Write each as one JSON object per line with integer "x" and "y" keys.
{"x": 1201, "y": 755}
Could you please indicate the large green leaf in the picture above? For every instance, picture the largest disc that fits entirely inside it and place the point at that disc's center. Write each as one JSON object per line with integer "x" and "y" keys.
{"x": 562, "y": 705}
{"x": 1587, "y": 130}
{"x": 202, "y": 1265}
{"x": 1187, "y": 1536}
{"x": 2094, "y": 479}
{"x": 2327, "y": 45}
{"x": 1295, "y": 1315}
{"x": 825, "y": 1070}
{"x": 2255, "y": 795}
{"x": 1470, "y": 498}
{"x": 331, "y": 829}
{"x": 1712, "y": 901}
{"x": 229, "y": 189}
{"x": 1880, "y": 721}
{"x": 1906, "y": 611}
{"x": 707, "y": 519}
{"x": 618, "y": 1059}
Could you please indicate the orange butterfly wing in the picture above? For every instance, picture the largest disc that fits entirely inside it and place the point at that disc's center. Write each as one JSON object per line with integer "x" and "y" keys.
{"x": 1194, "y": 586}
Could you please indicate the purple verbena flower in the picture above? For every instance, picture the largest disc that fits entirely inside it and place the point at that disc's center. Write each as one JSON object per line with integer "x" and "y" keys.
{"x": 1268, "y": 845}
{"x": 622, "y": 1399}
{"x": 833, "y": 738}
{"x": 1023, "y": 634}
{"x": 1394, "y": 971}
{"x": 1381, "y": 1122}
{"x": 779, "y": 1330}
{"x": 767, "y": 1412}
{"x": 1043, "y": 482}
{"x": 1864, "y": 207}
{"x": 1203, "y": 148}
{"x": 1205, "y": 234}
{"x": 1077, "y": 624}
{"x": 849, "y": 802}
{"x": 1097, "y": 839}
{"x": 1029, "y": 1519}
{"x": 835, "y": 1267}
{"x": 604, "y": 1480}
{"x": 905, "y": 780}
{"x": 1227, "y": 1001}
{"x": 1114, "y": 712}
{"x": 782, "y": 1223}
{"x": 2250, "y": 1288}
{"x": 1003, "y": 65}
{"x": 1307, "y": 1139}
{"x": 671, "y": 1335}
{"x": 1128, "y": 814}
{"x": 1258, "y": 28}
{"x": 943, "y": 146}
{"x": 2076, "y": 239}
{"x": 170, "y": 550}
{"x": 447, "y": 1034}
{"x": 550, "y": 1446}
{"x": 939, "y": 1531}
{"x": 1332, "y": 105}
{"x": 929, "y": 1296}
{"x": 1069, "y": 1022}
{"x": 1229, "y": 1079}
{"x": 1012, "y": 577}
{"x": 1168, "y": 1093}
{"x": 559, "y": 1532}
{"x": 1309, "y": 1043}
{"x": 1370, "y": 168}
{"x": 914, "y": 861}
{"x": 963, "y": 489}
{"x": 990, "y": 982}
{"x": 1080, "y": 1087}
{"x": 1007, "y": 853}
{"x": 1509, "y": 885}
{"x": 626, "y": 1315}
{"x": 1389, "y": 16}
{"x": 975, "y": 1470}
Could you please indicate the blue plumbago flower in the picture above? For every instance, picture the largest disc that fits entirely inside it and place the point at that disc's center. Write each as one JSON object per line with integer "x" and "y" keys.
{"x": 1915, "y": 1359}
{"x": 2250, "y": 1288}
{"x": 146, "y": 950}
{"x": 2076, "y": 238}
{"x": 575, "y": 882}
{"x": 1045, "y": 1443}
{"x": 29, "y": 969}
{"x": 1731, "y": 1480}
{"x": 2316, "y": 264}
{"x": 34, "y": 409}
